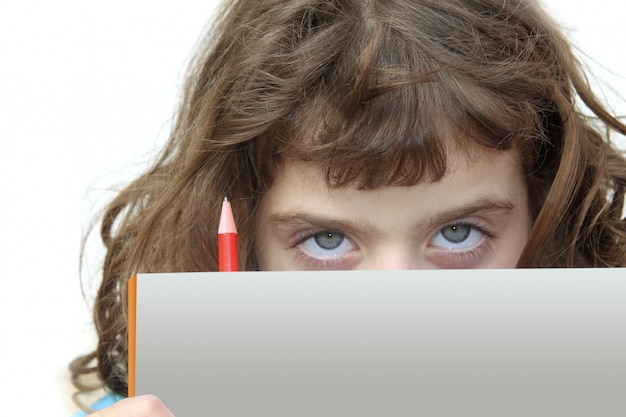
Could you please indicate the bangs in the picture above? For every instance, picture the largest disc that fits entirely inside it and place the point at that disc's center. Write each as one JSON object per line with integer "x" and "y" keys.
{"x": 395, "y": 129}
{"x": 388, "y": 108}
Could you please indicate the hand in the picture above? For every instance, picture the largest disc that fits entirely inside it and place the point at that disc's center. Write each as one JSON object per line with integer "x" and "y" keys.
{"x": 140, "y": 406}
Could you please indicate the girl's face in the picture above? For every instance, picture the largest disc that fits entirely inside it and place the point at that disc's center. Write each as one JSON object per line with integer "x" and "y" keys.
{"x": 477, "y": 216}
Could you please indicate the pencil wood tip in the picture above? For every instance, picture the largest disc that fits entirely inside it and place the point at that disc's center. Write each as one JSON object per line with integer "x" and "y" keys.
{"x": 227, "y": 221}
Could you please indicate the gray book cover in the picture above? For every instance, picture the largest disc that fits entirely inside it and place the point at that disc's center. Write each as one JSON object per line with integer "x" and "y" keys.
{"x": 540, "y": 342}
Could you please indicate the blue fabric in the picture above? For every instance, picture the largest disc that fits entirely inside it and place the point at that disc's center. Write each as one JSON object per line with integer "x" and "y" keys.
{"x": 103, "y": 402}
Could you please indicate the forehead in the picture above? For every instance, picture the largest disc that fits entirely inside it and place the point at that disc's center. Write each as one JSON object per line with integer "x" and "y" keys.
{"x": 486, "y": 174}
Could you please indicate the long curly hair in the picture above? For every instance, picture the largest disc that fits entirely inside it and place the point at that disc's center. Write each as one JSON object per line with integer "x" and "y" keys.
{"x": 373, "y": 91}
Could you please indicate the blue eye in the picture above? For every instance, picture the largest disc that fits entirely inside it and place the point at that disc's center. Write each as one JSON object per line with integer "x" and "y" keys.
{"x": 327, "y": 244}
{"x": 329, "y": 240}
{"x": 456, "y": 233}
{"x": 457, "y": 236}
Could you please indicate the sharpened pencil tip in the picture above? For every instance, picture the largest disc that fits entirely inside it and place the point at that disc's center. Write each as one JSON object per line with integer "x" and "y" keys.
{"x": 227, "y": 221}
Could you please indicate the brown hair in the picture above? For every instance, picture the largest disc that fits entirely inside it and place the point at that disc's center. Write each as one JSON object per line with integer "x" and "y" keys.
{"x": 373, "y": 91}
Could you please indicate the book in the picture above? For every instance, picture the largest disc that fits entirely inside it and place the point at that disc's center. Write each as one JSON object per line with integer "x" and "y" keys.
{"x": 381, "y": 343}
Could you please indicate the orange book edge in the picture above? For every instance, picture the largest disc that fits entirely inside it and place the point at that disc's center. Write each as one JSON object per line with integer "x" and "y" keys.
{"x": 132, "y": 333}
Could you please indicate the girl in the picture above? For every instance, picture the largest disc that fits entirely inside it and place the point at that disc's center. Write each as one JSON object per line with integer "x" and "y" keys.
{"x": 370, "y": 134}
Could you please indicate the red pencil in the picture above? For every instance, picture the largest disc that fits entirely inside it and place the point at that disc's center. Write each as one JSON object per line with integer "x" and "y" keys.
{"x": 227, "y": 240}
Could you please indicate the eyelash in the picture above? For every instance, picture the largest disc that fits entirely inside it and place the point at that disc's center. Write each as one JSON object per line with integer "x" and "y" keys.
{"x": 479, "y": 227}
{"x": 316, "y": 263}
{"x": 310, "y": 261}
{"x": 467, "y": 255}
{"x": 457, "y": 256}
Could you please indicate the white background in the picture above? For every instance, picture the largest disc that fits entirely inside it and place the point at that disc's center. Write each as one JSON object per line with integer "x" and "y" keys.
{"x": 86, "y": 93}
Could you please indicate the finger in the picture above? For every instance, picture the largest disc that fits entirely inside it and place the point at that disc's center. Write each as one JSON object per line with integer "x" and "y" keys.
{"x": 140, "y": 406}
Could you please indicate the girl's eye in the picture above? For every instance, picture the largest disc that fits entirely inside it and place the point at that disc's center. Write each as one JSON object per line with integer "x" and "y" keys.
{"x": 327, "y": 244}
{"x": 458, "y": 237}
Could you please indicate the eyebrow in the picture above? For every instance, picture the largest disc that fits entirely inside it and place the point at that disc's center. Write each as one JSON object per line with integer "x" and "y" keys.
{"x": 296, "y": 218}
{"x": 484, "y": 203}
